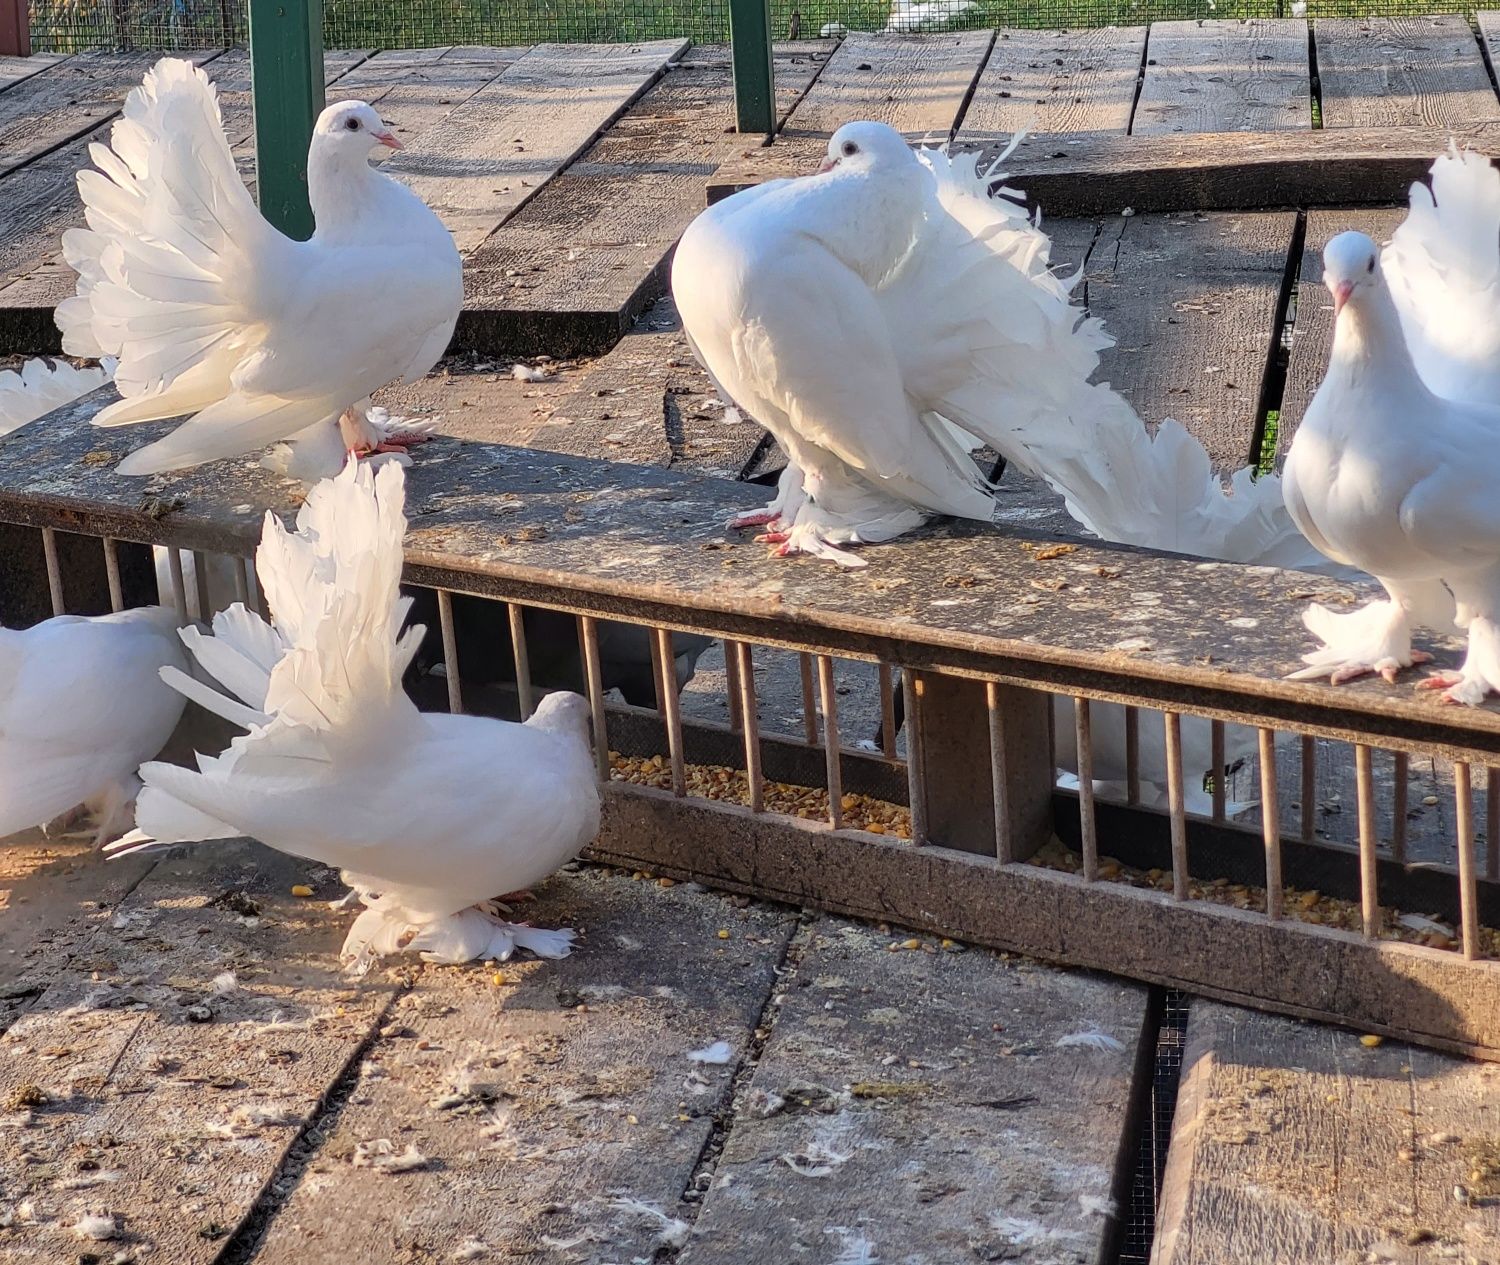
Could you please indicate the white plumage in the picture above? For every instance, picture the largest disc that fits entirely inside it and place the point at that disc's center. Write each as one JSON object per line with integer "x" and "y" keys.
{"x": 888, "y": 315}
{"x": 214, "y": 313}
{"x": 428, "y": 815}
{"x": 82, "y": 704}
{"x": 40, "y": 386}
{"x": 1387, "y": 476}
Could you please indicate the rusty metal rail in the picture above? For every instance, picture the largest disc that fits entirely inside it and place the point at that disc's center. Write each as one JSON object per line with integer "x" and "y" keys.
{"x": 1013, "y": 659}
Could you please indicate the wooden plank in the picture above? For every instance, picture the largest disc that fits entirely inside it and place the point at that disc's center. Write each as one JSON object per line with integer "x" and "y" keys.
{"x": 1298, "y": 1144}
{"x": 915, "y": 83}
{"x": 1206, "y": 171}
{"x": 921, "y": 1102}
{"x": 14, "y": 69}
{"x": 67, "y": 99}
{"x": 649, "y": 401}
{"x": 567, "y": 1086}
{"x": 1074, "y": 82}
{"x": 1193, "y": 302}
{"x": 1390, "y": 72}
{"x": 573, "y": 268}
{"x": 415, "y": 95}
{"x": 507, "y": 140}
{"x": 54, "y": 895}
{"x": 42, "y": 202}
{"x": 1225, "y": 76}
{"x": 165, "y": 1093}
{"x": 1489, "y": 32}
{"x": 1312, "y": 324}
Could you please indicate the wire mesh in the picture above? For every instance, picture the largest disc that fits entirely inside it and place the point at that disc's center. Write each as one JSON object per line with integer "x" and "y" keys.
{"x": 77, "y": 25}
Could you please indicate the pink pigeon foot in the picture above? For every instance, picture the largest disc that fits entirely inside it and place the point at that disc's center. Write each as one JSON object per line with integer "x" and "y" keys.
{"x": 772, "y": 537}
{"x": 1386, "y": 668}
{"x": 757, "y": 518}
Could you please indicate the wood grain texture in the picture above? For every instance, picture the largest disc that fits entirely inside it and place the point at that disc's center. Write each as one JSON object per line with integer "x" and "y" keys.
{"x": 1192, "y": 301}
{"x": 67, "y": 99}
{"x": 919, "y": 1101}
{"x": 1297, "y": 1144}
{"x": 915, "y": 83}
{"x": 1074, "y": 82}
{"x": 167, "y": 1119}
{"x": 573, "y": 268}
{"x": 1489, "y": 32}
{"x": 1225, "y": 76}
{"x": 1312, "y": 327}
{"x": 1294, "y": 968}
{"x": 1208, "y": 171}
{"x": 1388, "y": 72}
{"x": 14, "y": 69}
{"x": 509, "y": 139}
{"x": 566, "y": 1086}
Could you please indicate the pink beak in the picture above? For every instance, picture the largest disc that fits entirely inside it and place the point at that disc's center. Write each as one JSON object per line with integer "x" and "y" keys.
{"x": 388, "y": 140}
{"x": 828, "y": 164}
{"x": 1341, "y": 293}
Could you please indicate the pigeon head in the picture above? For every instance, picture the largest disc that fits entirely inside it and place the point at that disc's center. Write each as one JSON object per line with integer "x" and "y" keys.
{"x": 354, "y": 127}
{"x": 865, "y": 147}
{"x": 563, "y": 712}
{"x": 1351, "y": 265}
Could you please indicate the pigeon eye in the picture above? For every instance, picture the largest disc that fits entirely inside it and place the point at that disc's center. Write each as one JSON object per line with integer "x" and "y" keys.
{"x": 1370, "y": 264}
{"x": 352, "y": 125}
{"x": 850, "y": 149}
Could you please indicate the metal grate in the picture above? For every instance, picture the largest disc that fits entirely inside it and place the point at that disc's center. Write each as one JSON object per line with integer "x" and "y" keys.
{"x": 75, "y": 25}
{"x": 1156, "y": 1131}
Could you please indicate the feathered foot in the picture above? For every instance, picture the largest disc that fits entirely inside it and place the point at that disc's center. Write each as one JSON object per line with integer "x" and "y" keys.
{"x": 811, "y": 535}
{"x": 1375, "y": 638}
{"x": 470, "y": 935}
{"x": 1480, "y": 674}
{"x": 369, "y": 432}
{"x": 756, "y": 518}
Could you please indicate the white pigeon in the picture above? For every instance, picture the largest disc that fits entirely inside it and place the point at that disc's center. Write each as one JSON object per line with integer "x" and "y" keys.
{"x": 888, "y": 315}
{"x": 82, "y": 704}
{"x": 925, "y": 15}
{"x": 213, "y": 312}
{"x": 40, "y": 386}
{"x": 428, "y": 815}
{"x": 1387, "y": 476}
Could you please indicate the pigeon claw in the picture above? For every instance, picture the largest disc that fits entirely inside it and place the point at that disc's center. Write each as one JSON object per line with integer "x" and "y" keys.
{"x": 757, "y": 518}
{"x": 773, "y": 537}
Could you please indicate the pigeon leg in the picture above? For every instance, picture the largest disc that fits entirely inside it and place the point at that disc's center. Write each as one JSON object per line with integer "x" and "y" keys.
{"x": 1480, "y": 674}
{"x": 1374, "y": 639}
{"x": 756, "y": 518}
{"x": 372, "y": 431}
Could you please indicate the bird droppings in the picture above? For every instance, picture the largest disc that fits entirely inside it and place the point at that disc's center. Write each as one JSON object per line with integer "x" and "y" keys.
{"x": 818, "y": 1158}
{"x": 1098, "y": 1206}
{"x": 475, "y": 1249}
{"x": 671, "y": 1232}
{"x": 854, "y": 1248}
{"x": 720, "y": 1052}
{"x": 525, "y": 373}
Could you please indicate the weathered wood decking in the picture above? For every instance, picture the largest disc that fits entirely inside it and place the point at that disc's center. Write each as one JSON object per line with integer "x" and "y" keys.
{"x": 911, "y": 1099}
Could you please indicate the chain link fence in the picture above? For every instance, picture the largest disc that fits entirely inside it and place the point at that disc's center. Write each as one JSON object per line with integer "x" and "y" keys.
{"x": 75, "y": 25}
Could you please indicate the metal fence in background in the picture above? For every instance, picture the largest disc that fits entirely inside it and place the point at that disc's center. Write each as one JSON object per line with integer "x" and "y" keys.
{"x": 75, "y": 25}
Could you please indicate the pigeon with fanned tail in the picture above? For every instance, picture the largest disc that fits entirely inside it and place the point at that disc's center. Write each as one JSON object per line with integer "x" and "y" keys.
{"x": 82, "y": 704}
{"x": 214, "y": 313}
{"x": 894, "y": 312}
{"x": 1387, "y": 476}
{"x": 429, "y": 816}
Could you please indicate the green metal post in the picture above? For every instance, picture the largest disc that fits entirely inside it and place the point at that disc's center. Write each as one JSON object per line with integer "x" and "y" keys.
{"x": 286, "y": 80}
{"x": 754, "y": 89}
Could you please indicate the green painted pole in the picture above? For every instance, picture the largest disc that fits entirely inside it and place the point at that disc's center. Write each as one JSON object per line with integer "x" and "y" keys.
{"x": 286, "y": 80}
{"x": 754, "y": 86}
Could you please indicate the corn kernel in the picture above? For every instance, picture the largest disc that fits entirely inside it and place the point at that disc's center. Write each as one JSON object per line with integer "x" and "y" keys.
{"x": 1371, "y": 1041}
{"x": 498, "y": 977}
{"x": 723, "y": 934}
{"x": 301, "y": 889}
{"x": 913, "y": 943}
{"x": 666, "y": 882}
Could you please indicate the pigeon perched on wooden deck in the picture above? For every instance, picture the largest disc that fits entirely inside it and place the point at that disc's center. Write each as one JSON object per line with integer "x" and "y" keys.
{"x": 82, "y": 704}
{"x": 429, "y": 815}
{"x": 887, "y": 316}
{"x": 1387, "y": 476}
{"x": 39, "y": 386}
{"x": 214, "y": 313}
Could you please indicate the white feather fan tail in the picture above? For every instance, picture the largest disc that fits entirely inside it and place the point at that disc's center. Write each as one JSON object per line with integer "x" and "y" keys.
{"x": 1027, "y": 391}
{"x": 40, "y": 386}
{"x": 167, "y": 266}
{"x": 1443, "y": 268}
{"x": 322, "y": 680}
